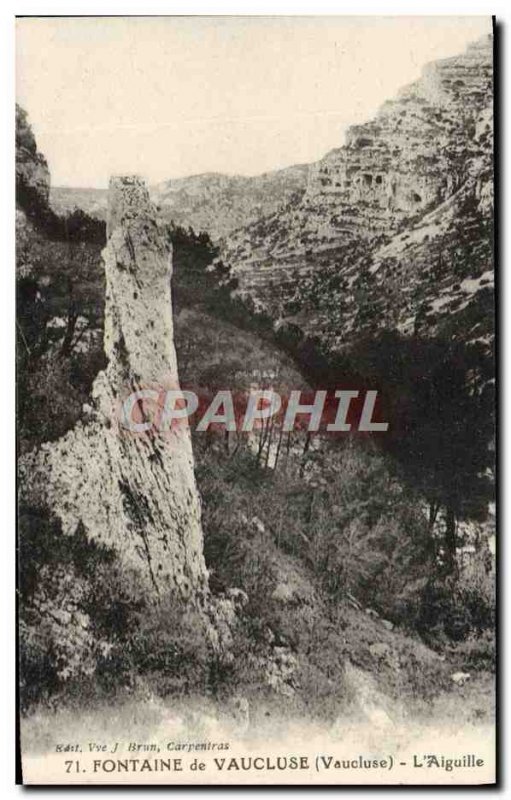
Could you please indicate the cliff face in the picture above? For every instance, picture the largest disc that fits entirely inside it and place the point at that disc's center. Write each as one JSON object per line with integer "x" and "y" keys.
{"x": 414, "y": 154}
{"x": 132, "y": 493}
{"x": 32, "y": 173}
{"x": 210, "y": 202}
{"x": 366, "y": 238}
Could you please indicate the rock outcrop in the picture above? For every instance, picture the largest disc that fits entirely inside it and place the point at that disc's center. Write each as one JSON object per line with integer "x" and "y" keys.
{"x": 133, "y": 493}
{"x": 32, "y": 173}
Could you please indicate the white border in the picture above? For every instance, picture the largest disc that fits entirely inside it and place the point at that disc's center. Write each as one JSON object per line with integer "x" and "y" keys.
{"x": 70, "y": 7}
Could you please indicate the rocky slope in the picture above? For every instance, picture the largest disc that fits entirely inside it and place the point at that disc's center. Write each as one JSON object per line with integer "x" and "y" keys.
{"x": 210, "y": 202}
{"x": 394, "y": 228}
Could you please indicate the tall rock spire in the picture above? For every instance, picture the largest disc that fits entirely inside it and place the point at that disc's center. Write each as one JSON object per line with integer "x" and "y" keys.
{"x": 133, "y": 492}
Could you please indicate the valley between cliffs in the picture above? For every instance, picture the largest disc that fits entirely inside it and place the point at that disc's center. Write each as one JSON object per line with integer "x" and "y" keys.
{"x": 202, "y": 586}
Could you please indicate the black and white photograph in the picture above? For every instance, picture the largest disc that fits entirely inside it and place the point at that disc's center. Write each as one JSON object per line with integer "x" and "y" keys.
{"x": 256, "y": 400}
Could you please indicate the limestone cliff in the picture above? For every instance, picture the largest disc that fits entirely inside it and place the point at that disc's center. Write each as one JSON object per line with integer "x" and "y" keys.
{"x": 377, "y": 238}
{"x": 133, "y": 493}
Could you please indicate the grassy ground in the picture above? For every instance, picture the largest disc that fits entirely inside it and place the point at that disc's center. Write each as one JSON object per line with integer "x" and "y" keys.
{"x": 370, "y": 716}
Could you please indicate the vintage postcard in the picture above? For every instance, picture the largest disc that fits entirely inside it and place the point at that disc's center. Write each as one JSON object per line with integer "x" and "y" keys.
{"x": 256, "y": 400}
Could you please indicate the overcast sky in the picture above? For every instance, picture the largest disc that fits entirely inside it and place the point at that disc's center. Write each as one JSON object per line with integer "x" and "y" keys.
{"x": 168, "y": 97}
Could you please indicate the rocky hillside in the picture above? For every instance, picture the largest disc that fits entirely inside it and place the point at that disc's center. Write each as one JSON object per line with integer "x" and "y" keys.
{"x": 210, "y": 202}
{"x": 64, "y": 199}
{"x": 394, "y": 229}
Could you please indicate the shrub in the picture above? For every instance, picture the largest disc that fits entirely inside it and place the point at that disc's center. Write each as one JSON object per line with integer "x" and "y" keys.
{"x": 449, "y": 611}
{"x": 57, "y": 639}
{"x": 477, "y": 652}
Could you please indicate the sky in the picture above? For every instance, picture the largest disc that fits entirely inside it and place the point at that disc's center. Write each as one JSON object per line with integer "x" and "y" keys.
{"x": 167, "y": 97}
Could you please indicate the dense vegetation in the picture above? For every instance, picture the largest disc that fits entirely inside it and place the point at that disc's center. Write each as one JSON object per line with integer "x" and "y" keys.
{"x": 438, "y": 393}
